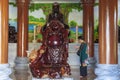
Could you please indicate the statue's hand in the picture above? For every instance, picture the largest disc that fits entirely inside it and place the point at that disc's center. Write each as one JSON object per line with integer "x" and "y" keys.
{"x": 32, "y": 55}
{"x": 42, "y": 51}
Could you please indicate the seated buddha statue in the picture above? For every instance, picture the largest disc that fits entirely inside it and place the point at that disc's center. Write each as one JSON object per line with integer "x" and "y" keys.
{"x": 51, "y": 59}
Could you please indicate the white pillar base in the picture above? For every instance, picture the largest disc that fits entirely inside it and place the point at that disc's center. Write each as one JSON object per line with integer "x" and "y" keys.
{"x": 5, "y": 71}
{"x": 21, "y": 63}
{"x": 66, "y": 78}
{"x": 92, "y": 62}
{"x": 107, "y": 72}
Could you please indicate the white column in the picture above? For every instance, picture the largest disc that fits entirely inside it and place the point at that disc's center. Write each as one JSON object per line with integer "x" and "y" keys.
{"x": 5, "y": 69}
{"x": 108, "y": 68}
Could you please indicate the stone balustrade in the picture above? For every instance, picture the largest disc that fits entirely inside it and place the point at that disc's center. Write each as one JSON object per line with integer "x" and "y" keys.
{"x": 72, "y": 60}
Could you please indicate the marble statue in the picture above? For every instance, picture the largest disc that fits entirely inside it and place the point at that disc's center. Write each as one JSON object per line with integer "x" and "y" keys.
{"x": 50, "y": 61}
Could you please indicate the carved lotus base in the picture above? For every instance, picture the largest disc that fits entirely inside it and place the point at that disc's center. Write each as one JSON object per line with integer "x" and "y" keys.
{"x": 66, "y": 78}
{"x": 50, "y": 71}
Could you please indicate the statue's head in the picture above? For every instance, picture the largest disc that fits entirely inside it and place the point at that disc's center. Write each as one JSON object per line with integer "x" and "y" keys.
{"x": 55, "y": 7}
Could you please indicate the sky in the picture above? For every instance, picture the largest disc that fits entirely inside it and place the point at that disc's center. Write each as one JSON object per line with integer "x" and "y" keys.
{"x": 37, "y": 14}
{"x": 12, "y": 12}
{"x": 96, "y": 13}
{"x": 76, "y": 16}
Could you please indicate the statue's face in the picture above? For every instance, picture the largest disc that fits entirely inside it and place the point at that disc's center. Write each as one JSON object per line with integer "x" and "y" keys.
{"x": 56, "y": 8}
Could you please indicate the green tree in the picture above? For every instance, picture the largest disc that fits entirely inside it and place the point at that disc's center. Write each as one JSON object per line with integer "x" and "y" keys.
{"x": 31, "y": 18}
{"x": 42, "y": 19}
{"x": 96, "y": 30}
{"x": 65, "y": 8}
{"x": 72, "y": 24}
{"x": 45, "y": 7}
{"x": 119, "y": 23}
{"x": 12, "y": 3}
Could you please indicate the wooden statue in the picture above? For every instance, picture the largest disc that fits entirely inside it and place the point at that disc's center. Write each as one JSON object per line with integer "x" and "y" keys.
{"x": 51, "y": 59}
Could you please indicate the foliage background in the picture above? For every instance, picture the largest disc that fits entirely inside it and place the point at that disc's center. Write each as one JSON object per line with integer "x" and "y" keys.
{"x": 38, "y": 14}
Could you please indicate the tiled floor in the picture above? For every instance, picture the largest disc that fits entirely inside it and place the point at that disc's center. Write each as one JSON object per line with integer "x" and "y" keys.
{"x": 26, "y": 75}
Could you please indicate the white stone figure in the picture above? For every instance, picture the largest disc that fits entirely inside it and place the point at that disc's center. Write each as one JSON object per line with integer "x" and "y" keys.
{"x": 34, "y": 40}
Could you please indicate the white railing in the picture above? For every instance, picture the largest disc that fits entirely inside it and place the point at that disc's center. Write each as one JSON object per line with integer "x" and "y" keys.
{"x": 72, "y": 60}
